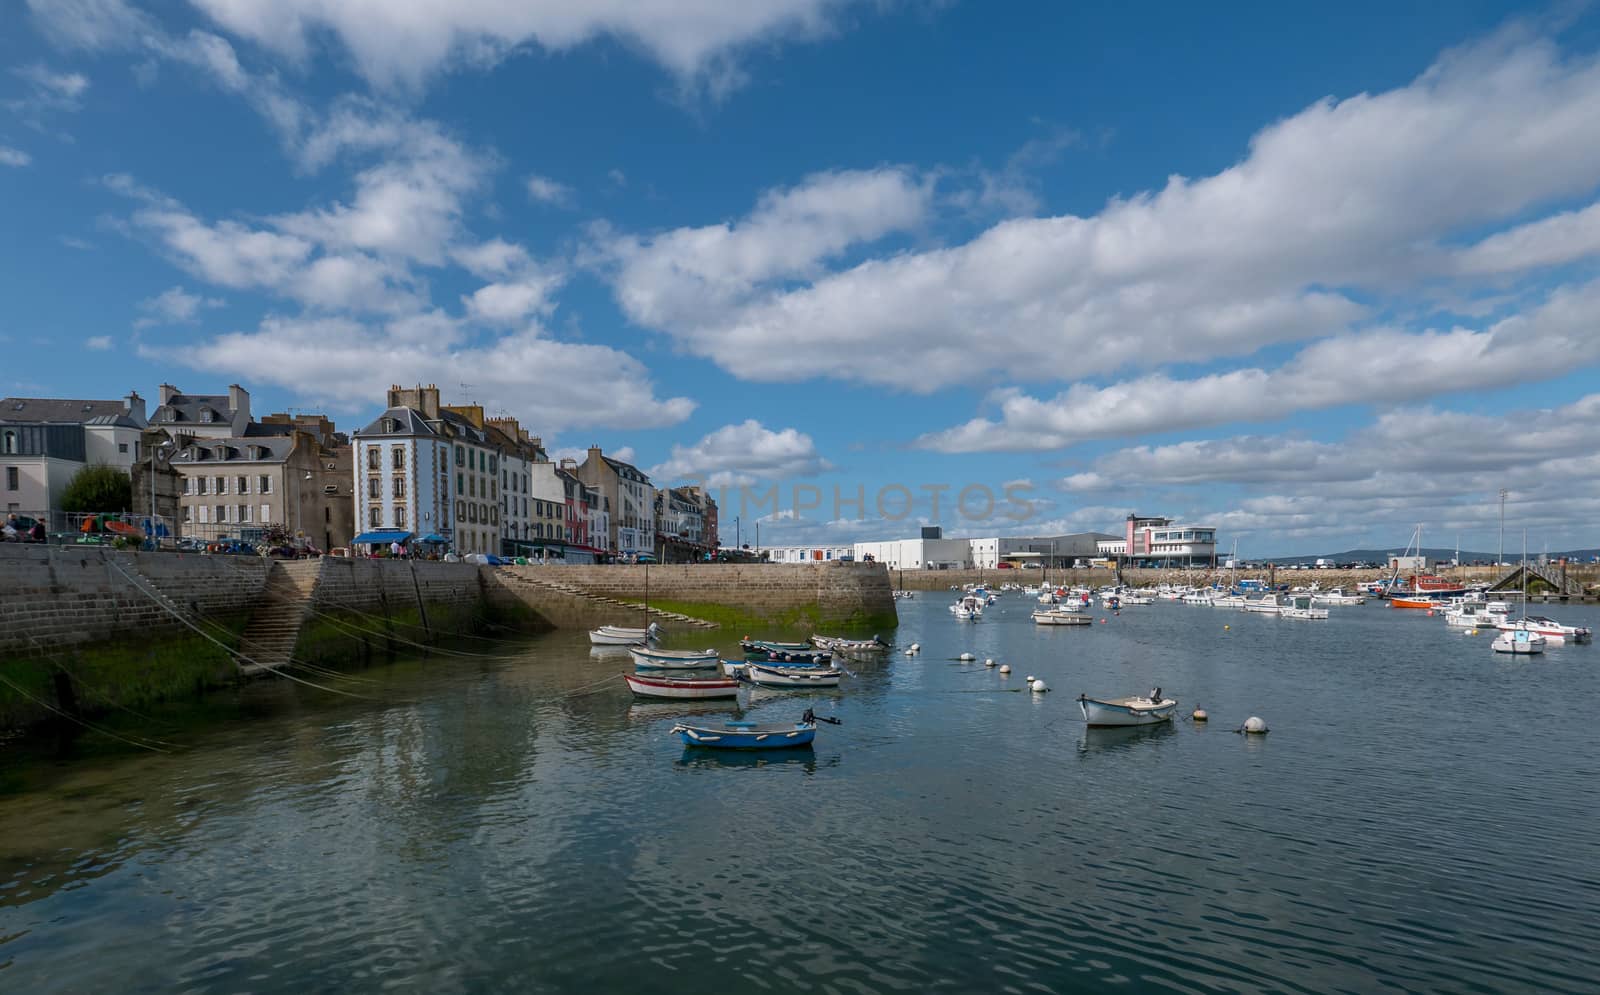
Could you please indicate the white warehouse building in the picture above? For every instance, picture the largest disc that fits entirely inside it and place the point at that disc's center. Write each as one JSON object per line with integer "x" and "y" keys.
{"x": 918, "y": 554}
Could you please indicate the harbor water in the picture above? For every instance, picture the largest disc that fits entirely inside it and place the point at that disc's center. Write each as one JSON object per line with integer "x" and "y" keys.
{"x": 1420, "y": 818}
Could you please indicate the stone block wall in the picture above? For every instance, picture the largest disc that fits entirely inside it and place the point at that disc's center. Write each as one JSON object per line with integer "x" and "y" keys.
{"x": 813, "y": 594}
{"x": 56, "y": 597}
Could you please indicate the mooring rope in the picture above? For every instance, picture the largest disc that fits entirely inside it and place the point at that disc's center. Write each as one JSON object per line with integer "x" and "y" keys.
{"x": 281, "y": 670}
{"x": 82, "y": 722}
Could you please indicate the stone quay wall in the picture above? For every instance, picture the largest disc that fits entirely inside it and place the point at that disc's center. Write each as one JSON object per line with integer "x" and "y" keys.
{"x": 842, "y": 595}
{"x": 55, "y": 597}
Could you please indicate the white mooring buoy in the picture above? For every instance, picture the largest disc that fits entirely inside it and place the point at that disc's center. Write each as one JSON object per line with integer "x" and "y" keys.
{"x": 989, "y": 662}
{"x": 965, "y": 657}
{"x": 1255, "y": 725}
{"x": 1199, "y": 715}
{"x": 1005, "y": 668}
{"x": 1039, "y": 687}
{"x": 916, "y": 647}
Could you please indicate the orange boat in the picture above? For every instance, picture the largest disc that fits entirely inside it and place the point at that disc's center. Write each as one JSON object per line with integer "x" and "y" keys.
{"x": 1425, "y": 591}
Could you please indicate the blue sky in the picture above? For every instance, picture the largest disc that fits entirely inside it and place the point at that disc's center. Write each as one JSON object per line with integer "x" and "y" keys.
{"x": 1309, "y": 276}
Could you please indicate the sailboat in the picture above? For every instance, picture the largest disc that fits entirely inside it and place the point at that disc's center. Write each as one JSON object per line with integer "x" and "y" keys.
{"x": 1521, "y": 640}
{"x": 1425, "y": 590}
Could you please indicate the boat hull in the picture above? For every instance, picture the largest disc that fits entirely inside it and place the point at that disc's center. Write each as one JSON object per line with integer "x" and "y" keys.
{"x": 1518, "y": 642}
{"x": 1116, "y": 713}
{"x": 682, "y": 689}
{"x": 747, "y": 736}
{"x": 1061, "y": 618}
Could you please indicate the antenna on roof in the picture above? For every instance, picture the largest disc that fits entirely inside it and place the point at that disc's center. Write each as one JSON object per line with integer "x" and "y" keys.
{"x": 466, "y": 392}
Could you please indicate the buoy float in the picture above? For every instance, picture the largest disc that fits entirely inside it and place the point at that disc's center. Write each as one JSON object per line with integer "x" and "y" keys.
{"x": 1430, "y": 612}
{"x": 1102, "y": 621}
{"x": 1472, "y": 632}
{"x": 1199, "y": 715}
{"x": 1039, "y": 687}
{"x": 965, "y": 657}
{"x": 917, "y": 647}
{"x": 1029, "y": 679}
{"x": 1226, "y": 628}
{"x": 1255, "y": 726}
{"x": 911, "y": 652}
{"x": 1005, "y": 668}
{"x": 989, "y": 662}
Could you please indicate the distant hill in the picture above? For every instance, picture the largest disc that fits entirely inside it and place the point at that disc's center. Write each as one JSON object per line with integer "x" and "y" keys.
{"x": 1381, "y": 556}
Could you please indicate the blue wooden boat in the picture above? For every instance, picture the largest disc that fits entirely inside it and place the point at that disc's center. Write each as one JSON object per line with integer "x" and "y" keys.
{"x": 734, "y": 735}
{"x": 747, "y": 735}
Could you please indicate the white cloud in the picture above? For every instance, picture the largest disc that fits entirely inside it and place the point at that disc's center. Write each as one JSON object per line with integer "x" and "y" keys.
{"x": 545, "y": 383}
{"x": 174, "y": 306}
{"x": 1551, "y": 241}
{"x": 491, "y": 259}
{"x": 88, "y": 24}
{"x": 1378, "y": 366}
{"x": 547, "y": 191}
{"x": 98, "y": 343}
{"x": 682, "y": 277}
{"x": 511, "y": 302}
{"x": 406, "y": 41}
{"x": 14, "y": 157}
{"x": 48, "y": 92}
{"x": 741, "y": 454}
{"x": 1345, "y": 202}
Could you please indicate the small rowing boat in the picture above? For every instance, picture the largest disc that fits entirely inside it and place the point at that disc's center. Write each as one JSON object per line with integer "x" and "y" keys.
{"x": 791, "y": 677}
{"x": 858, "y": 647}
{"x": 1057, "y": 616}
{"x": 620, "y": 635}
{"x": 682, "y": 688}
{"x": 1147, "y": 710}
{"x": 734, "y": 735}
{"x": 645, "y": 657}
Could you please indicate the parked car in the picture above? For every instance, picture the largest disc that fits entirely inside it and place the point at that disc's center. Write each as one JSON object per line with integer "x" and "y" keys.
{"x": 233, "y": 547}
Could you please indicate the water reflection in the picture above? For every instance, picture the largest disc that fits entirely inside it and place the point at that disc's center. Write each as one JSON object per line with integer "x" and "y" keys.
{"x": 802, "y": 758}
{"x": 1128, "y": 738}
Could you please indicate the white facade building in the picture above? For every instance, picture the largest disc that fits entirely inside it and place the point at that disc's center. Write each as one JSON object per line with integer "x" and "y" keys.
{"x": 44, "y": 442}
{"x": 808, "y": 554}
{"x": 918, "y": 554}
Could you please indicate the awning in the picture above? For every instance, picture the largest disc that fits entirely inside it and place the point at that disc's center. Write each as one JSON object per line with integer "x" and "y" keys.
{"x": 385, "y": 536}
{"x": 432, "y": 537}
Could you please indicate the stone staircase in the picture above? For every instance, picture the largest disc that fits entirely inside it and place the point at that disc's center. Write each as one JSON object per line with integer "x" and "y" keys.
{"x": 628, "y": 612}
{"x": 274, "y": 628}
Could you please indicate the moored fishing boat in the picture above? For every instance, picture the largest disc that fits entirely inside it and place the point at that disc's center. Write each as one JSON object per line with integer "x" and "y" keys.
{"x": 1267, "y": 604}
{"x": 1337, "y": 596}
{"x": 654, "y": 659}
{"x": 682, "y": 688}
{"x": 733, "y": 735}
{"x": 621, "y": 635}
{"x": 1553, "y": 632}
{"x": 766, "y": 645}
{"x": 1518, "y": 641}
{"x": 859, "y": 647}
{"x": 1057, "y": 616}
{"x": 1102, "y": 713}
{"x": 790, "y": 677}
{"x": 1301, "y": 608}
{"x": 802, "y": 657}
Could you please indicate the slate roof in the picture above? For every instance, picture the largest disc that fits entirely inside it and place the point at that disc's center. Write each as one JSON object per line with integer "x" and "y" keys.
{"x": 184, "y": 409}
{"x": 63, "y": 411}
{"x": 410, "y": 419}
{"x": 277, "y": 449}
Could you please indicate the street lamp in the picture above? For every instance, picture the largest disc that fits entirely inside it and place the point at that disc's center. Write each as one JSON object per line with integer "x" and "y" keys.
{"x": 1502, "y": 557}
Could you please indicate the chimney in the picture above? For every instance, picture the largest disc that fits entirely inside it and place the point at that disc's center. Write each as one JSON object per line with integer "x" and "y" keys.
{"x": 239, "y": 401}
{"x": 133, "y": 404}
{"x": 167, "y": 392}
{"x": 428, "y": 401}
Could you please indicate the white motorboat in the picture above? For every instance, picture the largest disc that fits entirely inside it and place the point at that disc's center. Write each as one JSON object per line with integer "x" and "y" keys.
{"x": 1145, "y": 710}
{"x": 1228, "y": 601}
{"x": 1267, "y": 604}
{"x": 1199, "y": 598}
{"x": 652, "y": 659}
{"x": 1133, "y": 598}
{"x": 838, "y": 645}
{"x": 1337, "y": 596}
{"x": 1472, "y": 616}
{"x": 1302, "y": 608}
{"x": 1554, "y": 632}
{"x": 621, "y": 635}
{"x": 1522, "y": 642}
{"x": 1056, "y": 616}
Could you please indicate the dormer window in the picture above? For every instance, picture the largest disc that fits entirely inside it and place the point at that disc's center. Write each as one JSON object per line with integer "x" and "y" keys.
{"x": 207, "y": 415}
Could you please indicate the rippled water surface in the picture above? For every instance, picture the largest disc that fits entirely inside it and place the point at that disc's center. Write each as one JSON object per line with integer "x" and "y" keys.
{"x": 1422, "y": 817}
